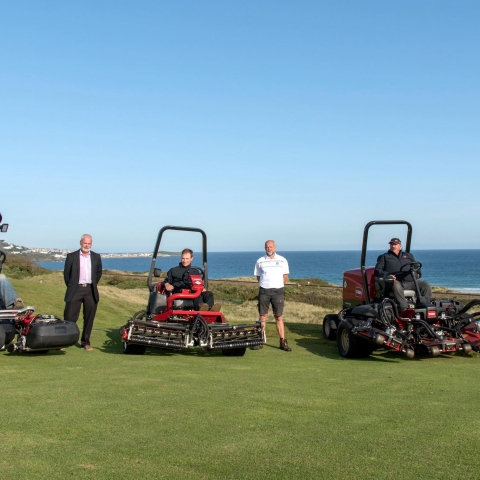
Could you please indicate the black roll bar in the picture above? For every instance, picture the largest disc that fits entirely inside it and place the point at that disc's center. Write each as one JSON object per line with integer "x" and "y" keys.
{"x": 183, "y": 229}
{"x": 364, "y": 247}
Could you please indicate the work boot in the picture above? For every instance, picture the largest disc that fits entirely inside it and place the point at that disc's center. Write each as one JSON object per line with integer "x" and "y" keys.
{"x": 216, "y": 307}
{"x": 203, "y": 307}
{"x": 18, "y": 304}
{"x": 284, "y": 345}
{"x": 256, "y": 347}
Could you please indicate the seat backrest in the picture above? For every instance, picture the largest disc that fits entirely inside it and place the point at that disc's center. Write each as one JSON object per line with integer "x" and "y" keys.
{"x": 157, "y": 302}
{"x": 410, "y": 294}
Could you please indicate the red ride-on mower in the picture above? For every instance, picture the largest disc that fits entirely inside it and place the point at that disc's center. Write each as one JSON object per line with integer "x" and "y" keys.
{"x": 370, "y": 318}
{"x": 35, "y": 333}
{"x": 171, "y": 321}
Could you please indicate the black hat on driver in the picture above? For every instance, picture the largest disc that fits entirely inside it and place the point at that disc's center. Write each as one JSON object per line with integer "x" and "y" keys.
{"x": 395, "y": 241}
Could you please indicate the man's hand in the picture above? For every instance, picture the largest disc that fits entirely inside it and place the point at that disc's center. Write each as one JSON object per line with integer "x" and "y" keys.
{"x": 168, "y": 287}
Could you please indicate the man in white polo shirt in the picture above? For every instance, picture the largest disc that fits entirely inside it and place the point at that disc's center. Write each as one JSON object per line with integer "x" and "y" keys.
{"x": 272, "y": 273}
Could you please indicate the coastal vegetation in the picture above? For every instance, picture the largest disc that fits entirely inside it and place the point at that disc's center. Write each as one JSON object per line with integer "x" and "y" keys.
{"x": 197, "y": 414}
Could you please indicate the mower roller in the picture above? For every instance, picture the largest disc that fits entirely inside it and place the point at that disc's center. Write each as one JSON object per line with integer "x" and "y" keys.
{"x": 171, "y": 321}
{"x": 370, "y": 318}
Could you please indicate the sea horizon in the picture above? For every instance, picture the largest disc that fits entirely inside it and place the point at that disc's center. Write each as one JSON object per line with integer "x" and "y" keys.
{"x": 458, "y": 269}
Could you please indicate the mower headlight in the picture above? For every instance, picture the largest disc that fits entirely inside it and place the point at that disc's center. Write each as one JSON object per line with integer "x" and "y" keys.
{"x": 477, "y": 326}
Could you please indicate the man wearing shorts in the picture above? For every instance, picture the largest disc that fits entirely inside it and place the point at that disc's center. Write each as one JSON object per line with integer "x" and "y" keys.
{"x": 272, "y": 273}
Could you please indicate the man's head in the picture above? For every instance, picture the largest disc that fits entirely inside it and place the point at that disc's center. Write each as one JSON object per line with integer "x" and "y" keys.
{"x": 395, "y": 245}
{"x": 270, "y": 248}
{"x": 187, "y": 257}
{"x": 86, "y": 243}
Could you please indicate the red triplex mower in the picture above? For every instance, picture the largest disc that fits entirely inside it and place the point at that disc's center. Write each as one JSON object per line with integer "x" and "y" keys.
{"x": 171, "y": 321}
{"x": 370, "y": 318}
{"x": 35, "y": 333}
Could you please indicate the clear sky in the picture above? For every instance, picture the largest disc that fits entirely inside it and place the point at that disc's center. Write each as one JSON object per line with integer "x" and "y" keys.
{"x": 294, "y": 120}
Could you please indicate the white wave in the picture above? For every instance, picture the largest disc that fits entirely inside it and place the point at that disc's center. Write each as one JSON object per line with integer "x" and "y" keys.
{"x": 466, "y": 290}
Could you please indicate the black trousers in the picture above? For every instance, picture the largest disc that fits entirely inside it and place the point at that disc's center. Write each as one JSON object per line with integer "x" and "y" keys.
{"x": 205, "y": 297}
{"x": 398, "y": 287}
{"x": 83, "y": 295}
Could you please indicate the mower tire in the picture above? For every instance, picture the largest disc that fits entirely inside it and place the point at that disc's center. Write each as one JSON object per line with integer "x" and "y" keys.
{"x": 329, "y": 329}
{"x": 234, "y": 352}
{"x": 140, "y": 315}
{"x": 132, "y": 349}
{"x": 351, "y": 346}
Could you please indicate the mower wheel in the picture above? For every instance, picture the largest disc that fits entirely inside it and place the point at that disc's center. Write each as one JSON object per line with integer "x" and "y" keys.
{"x": 132, "y": 349}
{"x": 435, "y": 351}
{"x": 351, "y": 346}
{"x": 409, "y": 353}
{"x": 140, "y": 315}
{"x": 329, "y": 331}
{"x": 234, "y": 352}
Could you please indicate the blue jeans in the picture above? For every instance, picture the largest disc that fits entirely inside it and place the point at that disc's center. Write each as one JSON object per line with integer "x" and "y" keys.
{"x": 7, "y": 292}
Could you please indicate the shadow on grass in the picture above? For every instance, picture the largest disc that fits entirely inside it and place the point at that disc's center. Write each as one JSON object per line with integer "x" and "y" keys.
{"x": 42, "y": 353}
{"x": 310, "y": 337}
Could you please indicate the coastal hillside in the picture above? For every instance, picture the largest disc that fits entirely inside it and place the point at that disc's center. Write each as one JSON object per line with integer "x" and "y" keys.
{"x": 58, "y": 254}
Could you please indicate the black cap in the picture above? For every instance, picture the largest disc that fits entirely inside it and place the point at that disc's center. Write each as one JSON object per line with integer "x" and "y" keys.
{"x": 395, "y": 241}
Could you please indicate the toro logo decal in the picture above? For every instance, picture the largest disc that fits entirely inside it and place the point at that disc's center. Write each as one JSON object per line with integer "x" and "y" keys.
{"x": 358, "y": 292}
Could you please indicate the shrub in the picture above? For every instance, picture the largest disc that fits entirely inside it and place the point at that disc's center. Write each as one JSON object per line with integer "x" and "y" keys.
{"x": 17, "y": 266}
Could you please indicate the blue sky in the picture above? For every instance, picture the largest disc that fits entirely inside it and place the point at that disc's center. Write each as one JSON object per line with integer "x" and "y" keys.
{"x": 298, "y": 121}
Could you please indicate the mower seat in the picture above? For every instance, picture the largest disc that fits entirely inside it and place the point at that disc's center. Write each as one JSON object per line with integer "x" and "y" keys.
{"x": 410, "y": 294}
{"x": 157, "y": 302}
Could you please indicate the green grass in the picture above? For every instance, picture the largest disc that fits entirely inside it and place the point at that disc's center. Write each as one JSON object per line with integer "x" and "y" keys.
{"x": 200, "y": 415}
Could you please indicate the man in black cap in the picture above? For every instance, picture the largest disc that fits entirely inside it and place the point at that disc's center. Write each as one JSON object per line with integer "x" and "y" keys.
{"x": 395, "y": 264}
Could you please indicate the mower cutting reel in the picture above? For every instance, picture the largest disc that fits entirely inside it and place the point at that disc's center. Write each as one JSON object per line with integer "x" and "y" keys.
{"x": 171, "y": 321}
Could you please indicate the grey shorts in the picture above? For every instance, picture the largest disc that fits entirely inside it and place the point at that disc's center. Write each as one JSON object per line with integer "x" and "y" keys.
{"x": 274, "y": 296}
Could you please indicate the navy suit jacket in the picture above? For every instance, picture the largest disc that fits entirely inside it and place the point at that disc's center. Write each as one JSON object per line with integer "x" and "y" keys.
{"x": 71, "y": 273}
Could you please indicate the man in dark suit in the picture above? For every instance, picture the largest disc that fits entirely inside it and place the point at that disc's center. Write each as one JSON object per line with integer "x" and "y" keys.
{"x": 82, "y": 272}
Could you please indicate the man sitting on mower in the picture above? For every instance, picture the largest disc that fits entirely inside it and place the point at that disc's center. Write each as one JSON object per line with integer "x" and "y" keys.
{"x": 395, "y": 265}
{"x": 176, "y": 281}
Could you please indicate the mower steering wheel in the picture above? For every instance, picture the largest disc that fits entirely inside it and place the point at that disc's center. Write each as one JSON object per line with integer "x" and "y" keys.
{"x": 415, "y": 266}
{"x": 200, "y": 271}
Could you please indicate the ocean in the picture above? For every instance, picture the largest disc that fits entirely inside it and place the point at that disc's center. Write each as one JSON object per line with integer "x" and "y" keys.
{"x": 456, "y": 269}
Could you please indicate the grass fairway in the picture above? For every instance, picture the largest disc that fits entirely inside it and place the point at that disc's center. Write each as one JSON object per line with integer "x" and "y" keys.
{"x": 200, "y": 415}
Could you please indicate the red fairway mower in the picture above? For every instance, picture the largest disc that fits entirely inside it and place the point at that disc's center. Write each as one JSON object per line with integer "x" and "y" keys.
{"x": 370, "y": 318}
{"x": 170, "y": 320}
{"x": 35, "y": 333}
